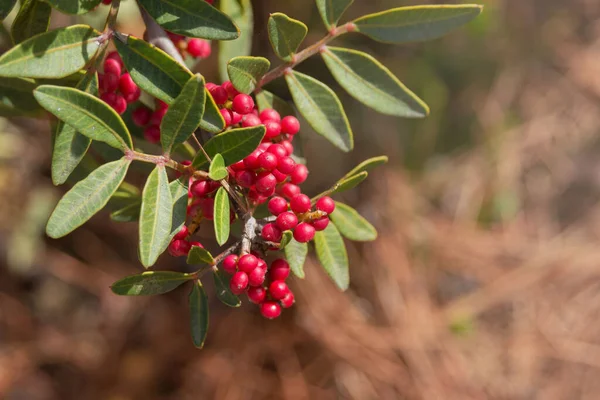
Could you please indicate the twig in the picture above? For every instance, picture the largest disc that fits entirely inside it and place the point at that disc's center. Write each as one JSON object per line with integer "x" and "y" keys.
{"x": 167, "y": 162}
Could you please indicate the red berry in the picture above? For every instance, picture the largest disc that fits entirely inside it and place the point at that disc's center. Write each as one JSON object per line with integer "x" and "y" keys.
{"x": 210, "y": 86}
{"x": 107, "y": 2}
{"x": 226, "y": 116}
{"x": 243, "y": 104}
{"x": 239, "y": 282}
{"x": 238, "y": 166}
{"x": 286, "y": 165}
{"x": 247, "y": 263}
{"x": 219, "y": 95}
{"x": 250, "y": 120}
{"x": 175, "y": 38}
{"x": 230, "y": 264}
{"x": 304, "y": 232}
{"x": 320, "y": 224}
{"x": 278, "y": 290}
{"x": 115, "y": 56}
{"x": 141, "y": 116}
{"x": 197, "y": 244}
{"x": 273, "y": 129}
{"x": 245, "y": 178}
{"x": 198, "y": 48}
{"x": 116, "y": 101}
{"x": 290, "y": 125}
{"x": 110, "y": 83}
{"x": 271, "y": 233}
{"x": 280, "y": 270}
{"x": 288, "y": 300}
{"x": 300, "y": 204}
{"x": 264, "y": 146}
{"x": 257, "y": 294}
{"x": 289, "y": 148}
{"x": 235, "y": 118}
{"x": 280, "y": 176}
{"x": 277, "y": 149}
{"x": 277, "y": 205}
{"x": 257, "y": 277}
{"x": 265, "y": 183}
{"x": 152, "y": 134}
{"x": 286, "y": 221}
{"x": 325, "y": 204}
{"x": 158, "y": 115}
{"x": 127, "y": 85}
{"x": 207, "y": 205}
{"x": 270, "y": 309}
{"x": 268, "y": 114}
{"x": 251, "y": 161}
{"x": 179, "y": 248}
{"x": 112, "y": 66}
{"x": 267, "y": 161}
{"x": 299, "y": 174}
{"x": 182, "y": 234}
{"x": 200, "y": 188}
{"x": 256, "y": 197}
{"x": 231, "y": 91}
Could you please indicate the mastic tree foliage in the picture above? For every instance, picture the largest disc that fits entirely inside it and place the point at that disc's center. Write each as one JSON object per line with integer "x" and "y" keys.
{"x": 220, "y": 154}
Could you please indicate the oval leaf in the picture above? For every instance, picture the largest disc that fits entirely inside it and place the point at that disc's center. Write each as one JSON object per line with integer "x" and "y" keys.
{"x": 233, "y": 145}
{"x": 6, "y": 7}
{"x": 86, "y": 198}
{"x": 351, "y": 182}
{"x": 266, "y": 99}
{"x": 179, "y": 195}
{"x": 87, "y": 114}
{"x": 372, "y": 84}
{"x": 16, "y": 97}
{"x": 222, "y": 288}
{"x": 74, "y": 6}
{"x": 321, "y": 108}
{"x": 217, "y": 170}
{"x": 184, "y": 115}
{"x": 198, "y": 301}
{"x": 331, "y": 252}
{"x": 192, "y": 18}
{"x": 245, "y": 72}
{"x": 286, "y": 34}
{"x": 295, "y": 254}
{"x": 331, "y": 10}
{"x": 199, "y": 255}
{"x": 367, "y": 165}
{"x": 212, "y": 120}
{"x": 33, "y": 18}
{"x": 156, "y": 215}
{"x": 53, "y": 54}
{"x": 286, "y": 238}
{"x": 221, "y": 216}
{"x": 351, "y": 224}
{"x": 240, "y": 11}
{"x": 414, "y": 24}
{"x": 152, "y": 69}
{"x": 150, "y": 283}
{"x": 70, "y": 146}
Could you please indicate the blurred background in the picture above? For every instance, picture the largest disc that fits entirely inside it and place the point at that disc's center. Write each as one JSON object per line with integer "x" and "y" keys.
{"x": 484, "y": 282}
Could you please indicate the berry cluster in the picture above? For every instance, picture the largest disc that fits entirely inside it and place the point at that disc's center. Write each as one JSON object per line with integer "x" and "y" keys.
{"x": 116, "y": 86}
{"x": 197, "y": 48}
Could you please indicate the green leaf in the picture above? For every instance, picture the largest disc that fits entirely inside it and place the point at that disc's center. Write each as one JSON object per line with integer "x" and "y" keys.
{"x": 221, "y": 216}
{"x": 233, "y": 145}
{"x": 70, "y": 146}
{"x": 128, "y": 213}
{"x": 351, "y": 224}
{"x": 89, "y": 115}
{"x": 6, "y": 7}
{"x": 240, "y": 11}
{"x": 321, "y": 108}
{"x": 295, "y": 254}
{"x": 415, "y": 24}
{"x": 266, "y": 99}
{"x": 16, "y": 98}
{"x": 86, "y": 198}
{"x": 152, "y": 69}
{"x": 245, "y": 72}
{"x": 331, "y": 10}
{"x": 351, "y": 182}
{"x": 212, "y": 120}
{"x": 372, "y": 84}
{"x": 150, "y": 283}
{"x": 286, "y": 34}
{"x": 217, "y": 170}
{"x": 192, "y": 18}
{"x": 55, "y": 54}
{"x": 33, "y": 18}
{"x": 331, "y": 252}
{"x": 184, "y": 115}
{"x": 366, "y": 165}
{"x": 179, "y": 195}
{"x": 74, "y": 6}
{"x": 222, "y": 288}
{"x": 198, "y": 314}
{"x": 199, "y": 255}
{"x": 286, "y": 238}
{"x": 156, "y": 215}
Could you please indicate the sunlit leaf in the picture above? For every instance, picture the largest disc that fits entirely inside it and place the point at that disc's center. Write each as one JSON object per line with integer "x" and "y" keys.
{"x": 212, "y": 120}
{"x": 33, "y": 18}
{"x": 331, "y": 10}
{"x": 366, "y": 165}
{"x": 266, "y": 99}
{"x": 6, "y": 7}
{"x": 198, "y": 301}
{"x": 331, "y": 252}
{"x": 233, "y": 145}
{"x": 351, "y": 224}
{"x": 286, "y": 34}
{"x": 245, "y": 72}
{"x": 199, "y": 255}
{"x": 217, "y": 170}
{"x": 150, "y": 283}
{"x": 74, "y": 6}
{"x": 295, "y": 254}
{"x": 286, "y": 238}
{"x": 221, "y": 216}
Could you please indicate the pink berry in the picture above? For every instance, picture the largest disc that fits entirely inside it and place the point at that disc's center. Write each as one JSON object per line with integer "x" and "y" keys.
{"x": 257, "y": 294}
{"x": 256, "y": 197}
{"x": 238, "y": 166}
{"x": 300, "y": 204}
{"x": 299, "y": 174}
{"x": 247, "y": 263}
{"x": 245, "y": 178}
{"x": 243, "y": 104}
{"x": 182, "y": 234}
{"x": 270, "y": 309}
{"x": 320, "y": 224}
{"x": 200, "y": 188}
{"x": 288, "y": 300}
{"x": 231, "y": 91}
{"x": 179, "y": 248}
{"x": 325, "y": 204}
{"x": 267, "y": 161}
{"x": 277, "y": 205}
{"x": 226, "y": 116}
{"x": 141, "y": 116}
{"x": 280, "y": 270}
{"x": 286, "y": 221}
{"x": 152, "y": 134}
{"x": 198, "y": 48}
{"x": 289, "y": 148}
{"x": 290, "y": 125}
{"x": 110, "y": 83}
{"x": 257, "y": 277}
{"x": 196, "y": 244}
{"x": 127, "y": 85}
{"x": 268, "y": 114}
{"x": 304, "y": 232}
{"x": 158, "y": 115}
{"x": 251, "y": 161}
{"x": 265, "y": 183}
{"x": 277, "y": 149}
{"x": 271, "y": 233}
{"x": 250, "y": 120}
{"x": 210, "y": 86}
{"x": 230, "y": 264}
{"x": 112, "y": 66}
{"x": 290, "y": 190}
{"x": 278, "y": 290}
{"x": 239, "y": 282}
{"x": 273, "y": 129}
{"x": 236, "y": 118}
{"x": 280, "y": 176}
{"x": 115, "y": 56}
{"x": 219, "y": 94}
{"x": 286, "y": 165}
{"x": 208, "y": 206}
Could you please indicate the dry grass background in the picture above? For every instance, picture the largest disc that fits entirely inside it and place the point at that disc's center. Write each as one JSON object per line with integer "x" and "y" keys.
{"x": 484, "y": 283}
